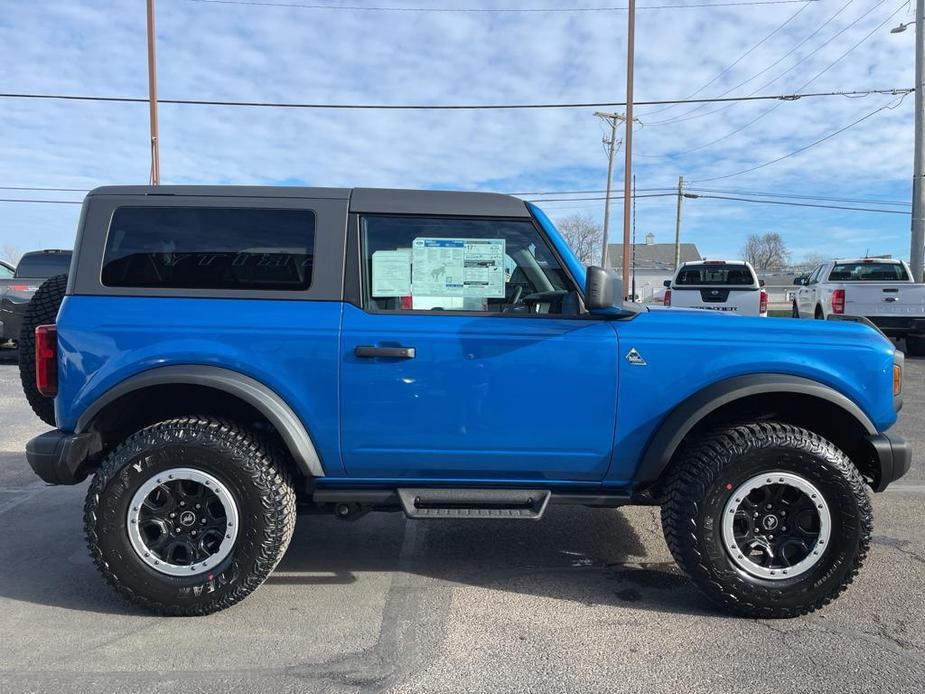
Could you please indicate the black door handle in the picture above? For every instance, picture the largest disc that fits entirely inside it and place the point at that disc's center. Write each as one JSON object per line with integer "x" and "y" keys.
{"x": 369, "y": 352}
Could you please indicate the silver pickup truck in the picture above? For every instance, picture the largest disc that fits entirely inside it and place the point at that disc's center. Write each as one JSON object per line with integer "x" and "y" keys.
{"x": 880, "y": 289}
{"x": 16, "y": 291}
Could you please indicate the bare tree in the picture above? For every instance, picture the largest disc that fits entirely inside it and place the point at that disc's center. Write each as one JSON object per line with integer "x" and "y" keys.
{"x": 583, "y": 235}
{"x": 10, "y": 253}
{"x": 811, "y": 261}
{"x": 766, "y": 252}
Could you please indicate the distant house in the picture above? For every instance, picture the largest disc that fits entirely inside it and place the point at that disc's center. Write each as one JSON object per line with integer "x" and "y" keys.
{"x": 653, "y": 263}
{"x": 651, "y": 255}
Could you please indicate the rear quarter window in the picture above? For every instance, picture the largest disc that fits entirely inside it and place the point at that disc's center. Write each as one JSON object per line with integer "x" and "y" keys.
{"x": 210, "y": 248}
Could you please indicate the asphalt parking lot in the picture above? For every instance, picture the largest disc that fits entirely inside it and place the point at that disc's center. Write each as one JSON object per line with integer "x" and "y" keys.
{"x": 585, "y": 600}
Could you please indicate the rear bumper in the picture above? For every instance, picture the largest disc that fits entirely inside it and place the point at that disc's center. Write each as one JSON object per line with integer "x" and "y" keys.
{"x": 899, "y": 326}
{"x": 60, "y": 457}
{"x": 894, "y": 455}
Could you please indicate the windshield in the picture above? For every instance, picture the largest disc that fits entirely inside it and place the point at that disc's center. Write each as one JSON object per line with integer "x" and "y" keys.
{"x": 722, "y": 275}
{"x": 868, "y": 272}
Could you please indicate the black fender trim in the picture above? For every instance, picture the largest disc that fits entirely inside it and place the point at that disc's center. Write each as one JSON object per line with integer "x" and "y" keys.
{"x": 253, "y": 392}
{"x": 684, "y": 417}
{"x": 893, "y": 456}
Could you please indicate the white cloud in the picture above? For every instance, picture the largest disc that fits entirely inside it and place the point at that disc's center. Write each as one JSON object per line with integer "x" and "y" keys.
{"x": 253, "y": 53}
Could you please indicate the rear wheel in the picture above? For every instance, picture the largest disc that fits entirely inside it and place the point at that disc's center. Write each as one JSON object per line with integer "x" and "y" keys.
{"x": 819, "y": 315}
{"x": 794, "y": 311}
{"x": 189, "y": 516}
{"x": 768, "y": 519}
{"x": 915, "y": 345}
{"x": 42, "y": 310}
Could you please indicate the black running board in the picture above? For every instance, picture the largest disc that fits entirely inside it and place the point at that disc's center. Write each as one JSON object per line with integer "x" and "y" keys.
{"x": 508, "y": 504}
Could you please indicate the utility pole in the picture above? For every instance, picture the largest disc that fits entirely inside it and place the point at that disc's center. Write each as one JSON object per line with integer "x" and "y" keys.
{"x": 917, "y": 256}
{"x": 152, "y": 97}
{"x": 612, "y": 120}
{"x": 677, "y": 224}
{"x": 628, "y": 140}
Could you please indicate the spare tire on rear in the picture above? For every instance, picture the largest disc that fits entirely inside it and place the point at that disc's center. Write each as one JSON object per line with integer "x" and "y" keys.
{"x": 42, "y": 310}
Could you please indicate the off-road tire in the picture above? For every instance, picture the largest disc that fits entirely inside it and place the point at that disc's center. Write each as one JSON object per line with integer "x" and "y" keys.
{"x": 819, "y": 314}
{"x": 699, "y": 486}
{"x": 42, "y": 310}
{"x": 915, "y": 345}
{"x": 254, "y": 473}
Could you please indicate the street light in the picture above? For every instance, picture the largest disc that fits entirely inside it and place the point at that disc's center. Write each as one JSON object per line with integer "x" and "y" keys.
{"x": 900, "y": 29}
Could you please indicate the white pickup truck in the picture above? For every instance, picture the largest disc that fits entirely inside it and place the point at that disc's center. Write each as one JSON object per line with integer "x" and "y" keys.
{"x": 879, "y": 289}
{"x": 729, "y": 286}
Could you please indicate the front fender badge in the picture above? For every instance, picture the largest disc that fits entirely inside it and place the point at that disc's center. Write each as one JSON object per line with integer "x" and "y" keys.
{"x": 635, "y": 358}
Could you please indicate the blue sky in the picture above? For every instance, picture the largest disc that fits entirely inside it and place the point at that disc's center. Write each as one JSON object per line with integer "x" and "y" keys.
{"x": 209, "y": 50}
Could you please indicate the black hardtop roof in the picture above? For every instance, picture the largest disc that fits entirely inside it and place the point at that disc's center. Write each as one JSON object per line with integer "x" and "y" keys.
{"x": 371, "y": 200}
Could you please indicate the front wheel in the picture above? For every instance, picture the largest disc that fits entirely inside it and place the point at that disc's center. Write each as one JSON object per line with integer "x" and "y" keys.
{"x": 768, "y": 519}
{"x": 189, "y": 516}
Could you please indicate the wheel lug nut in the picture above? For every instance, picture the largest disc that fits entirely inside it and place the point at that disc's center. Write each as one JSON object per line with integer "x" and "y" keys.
{"x": 198, "y": 506}
{"x": 173, "y": 515}
{"x": 183, "y": 503}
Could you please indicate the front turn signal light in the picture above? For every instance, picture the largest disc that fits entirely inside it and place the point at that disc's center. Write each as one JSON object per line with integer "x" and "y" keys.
{"x": 897, "y": 379}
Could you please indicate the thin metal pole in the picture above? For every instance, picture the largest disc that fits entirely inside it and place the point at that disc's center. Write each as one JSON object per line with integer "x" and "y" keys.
{"x": 677, "y": 224}
{"x": 152, "y": 97}
{"x": 610, "y": 151}
{"x": 633, "y": 293}
{"x": 628, "y": 140}
{"x": 917, "y": 254}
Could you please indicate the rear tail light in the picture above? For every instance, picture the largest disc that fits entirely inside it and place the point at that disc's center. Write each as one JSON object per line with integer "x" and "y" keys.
{"x": 763, "y": 302}
{"x": 667, "y": 299}
{"x": 838, "y": 301}
{"x": 46, "y": 360}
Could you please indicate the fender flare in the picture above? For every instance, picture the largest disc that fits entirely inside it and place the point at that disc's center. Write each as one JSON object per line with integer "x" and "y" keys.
{"x": 253, "y": 392}
{"x": 690, "y": 412}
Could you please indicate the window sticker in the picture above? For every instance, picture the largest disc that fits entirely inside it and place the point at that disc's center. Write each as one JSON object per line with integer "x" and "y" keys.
{"x": 457, "y": 267}
{"x": 483, "y": 275}
{"x": 392, "y": 273}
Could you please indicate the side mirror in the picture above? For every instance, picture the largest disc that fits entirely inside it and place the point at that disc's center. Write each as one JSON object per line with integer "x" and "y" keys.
{"x": 799, "y": 281}
{"x": 760, "y": 283}
{"x": 666, "y": 283}
{"x": 603, "y": 290}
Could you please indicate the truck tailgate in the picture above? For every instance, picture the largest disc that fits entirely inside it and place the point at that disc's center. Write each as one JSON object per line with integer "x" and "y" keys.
{"x": 885, "y": 299}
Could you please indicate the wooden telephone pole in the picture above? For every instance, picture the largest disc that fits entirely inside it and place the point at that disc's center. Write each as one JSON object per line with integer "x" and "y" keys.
{"x": 152, "y": 98}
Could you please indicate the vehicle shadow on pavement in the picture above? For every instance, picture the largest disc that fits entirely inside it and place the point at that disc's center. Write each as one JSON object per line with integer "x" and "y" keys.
{"x": 586, "y": 556}
{"x": 589, "y": 556}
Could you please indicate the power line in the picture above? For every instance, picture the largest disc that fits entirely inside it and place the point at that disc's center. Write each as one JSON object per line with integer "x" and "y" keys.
{"x": 688, "y": 116}
{"x": 57, "y": 190}
{"x": 496, "y": 10}
{"x": 752, "y": 200}
{"x": 810, "y": 145}
{"x": 739, "y": 59}
{"x": 726, "y": 191}
{"x": 803, "y": 86}
{"x": 804, "y": 204}
{"x": 442, "y": 107}
{"x": 44, "y": 202}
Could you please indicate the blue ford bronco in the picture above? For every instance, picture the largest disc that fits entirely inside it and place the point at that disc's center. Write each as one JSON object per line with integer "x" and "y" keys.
{"x": 222, "y": 359}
